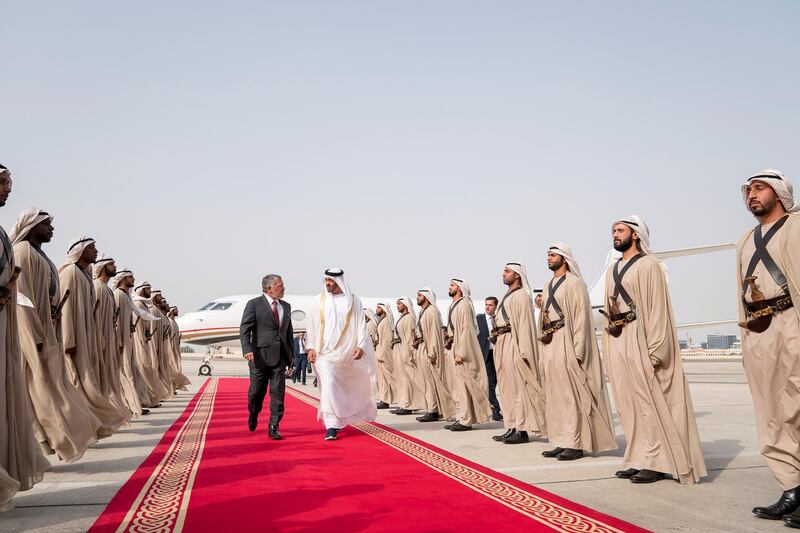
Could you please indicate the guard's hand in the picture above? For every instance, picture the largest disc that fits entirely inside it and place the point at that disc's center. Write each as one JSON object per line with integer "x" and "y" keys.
{"x": 459, "y": 360}
{"x": 358, "y": 353}
{"x": 312, "y": 356}
{"x": 249, "y": 356}
{"x": 70, "y": 352}
{"x": 655, "y": 361}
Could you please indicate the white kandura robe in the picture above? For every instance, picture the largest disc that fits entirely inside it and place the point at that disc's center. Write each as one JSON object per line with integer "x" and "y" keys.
{"x": 336, "y": 329}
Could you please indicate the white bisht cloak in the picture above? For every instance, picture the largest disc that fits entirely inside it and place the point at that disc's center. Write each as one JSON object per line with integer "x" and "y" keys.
{"x": 345, "y": 383}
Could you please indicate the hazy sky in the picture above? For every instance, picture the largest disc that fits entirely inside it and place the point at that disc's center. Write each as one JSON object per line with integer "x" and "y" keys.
{"x": 205, "y": 144}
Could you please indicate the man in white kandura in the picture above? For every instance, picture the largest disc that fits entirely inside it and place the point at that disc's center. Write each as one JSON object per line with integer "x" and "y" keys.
{"x": 341, "y": 351}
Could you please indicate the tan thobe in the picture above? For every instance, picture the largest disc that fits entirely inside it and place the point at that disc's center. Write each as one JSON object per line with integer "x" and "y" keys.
{"x": 20, "y": 455}
{"x": 78, "y": 333}
{"x": 516, "y": 359}
{"x": 578, "y": 409}
{"x": 134, "y": 390}
{"x": 430, "y": 358}
{"x": 409, "y": 384}
{"x": 470, "y": 384}
{"x": 62, "y": 420}
{"x": 179, "y": 380}
{"x": 772, "y": 358}
{"x": 383, "y": 354}
{"x": 146, "y": 358}
{"x": 654, "y": 403}
{"x": 160, "y": 330}
{"x": 109, "y": 357}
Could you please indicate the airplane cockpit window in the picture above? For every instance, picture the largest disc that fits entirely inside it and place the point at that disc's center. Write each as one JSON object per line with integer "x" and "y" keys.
{"x": 207, "y": 306}
{"x": 222, "y": 306}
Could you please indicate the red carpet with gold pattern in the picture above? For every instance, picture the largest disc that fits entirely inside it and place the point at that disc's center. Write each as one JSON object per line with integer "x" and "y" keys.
{"x": 209, "y": 473}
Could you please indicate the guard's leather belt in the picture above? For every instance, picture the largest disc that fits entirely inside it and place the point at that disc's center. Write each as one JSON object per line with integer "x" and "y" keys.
{"x": 501, "y": 330}
{"x": 760, "y": 313}
{"x": 617, "y": 321}
{"x": 552, "y": 327}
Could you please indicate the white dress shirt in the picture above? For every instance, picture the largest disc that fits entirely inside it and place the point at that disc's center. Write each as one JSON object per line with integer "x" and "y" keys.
{"x": 280, "y": 308}
{"x": 490, "y": 326}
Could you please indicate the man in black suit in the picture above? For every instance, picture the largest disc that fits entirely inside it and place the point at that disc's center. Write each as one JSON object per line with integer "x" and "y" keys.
{"x": 266, "y": 335}
{"x": 485, "y": 325}
{"x": 300, "y": 359}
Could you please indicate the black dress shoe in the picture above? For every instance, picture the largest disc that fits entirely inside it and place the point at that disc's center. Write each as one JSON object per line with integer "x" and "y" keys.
{"x": 382, "y": 405}
{"x": 429, "y": 417}
{"x": 792, "y": 519}
{"x": 504, "y": 436}
{"x": 497, "y": 416}
{"x": 273, "y": 433}
{"x": 450, "y": 426}
{"x": 519, "y": 437}
{"x": 458, "y": 426}
{"x": 553, "y": 453}
{"x": 626, "y": 474}
{"x": 570, "y": 454}
{"x": 787, "y": 504}
{"x": 647, "y": 476}
{"x": 252, "y": 422}
{"x": 145, "y": 411}
{"x": 402, "y": 411}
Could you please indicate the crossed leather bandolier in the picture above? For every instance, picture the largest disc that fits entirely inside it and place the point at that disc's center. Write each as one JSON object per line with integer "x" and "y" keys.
{"x": 617, "y": 320}
{"x": 548, "y": 327}
{"x": 760, "y": 311}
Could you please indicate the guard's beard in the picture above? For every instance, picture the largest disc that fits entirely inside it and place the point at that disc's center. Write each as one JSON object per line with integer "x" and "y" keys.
{"x": 624, "y": 245}
{"x": 760, "y": 208}
{"x": 556, "y": 264}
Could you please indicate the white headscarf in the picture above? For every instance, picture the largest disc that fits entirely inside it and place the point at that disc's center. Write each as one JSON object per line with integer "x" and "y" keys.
{"x": 566, "y": 252}
{"x": 467, "y": 293}
{"x": 121, "y": 274}
{"x": 369, "y": 313}
{"x": 779, "y": 183}
{"x": 76, "y": 248}
{"x": 337, "y": 275}
{"x": 520, "y": 269}
{"x": 97, "y": 267}
{"x": 387, "y": 313}
{"x": 405, "y": 300}
{"x": 26, "y": 221}
{"x": 464, "y": 286}
{"x": 429, "y": 295}
{"x": 140, "y": 287}
{"x": 639, "y": 227}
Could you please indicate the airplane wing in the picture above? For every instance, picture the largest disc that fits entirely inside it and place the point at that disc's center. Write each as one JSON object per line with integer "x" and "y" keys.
{"x": 692, "y": 325}
{"x": 681, "y": 252}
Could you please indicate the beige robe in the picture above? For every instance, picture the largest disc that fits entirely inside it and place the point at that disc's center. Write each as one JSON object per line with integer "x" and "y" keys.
{"x": 516, "y": 359}
{"x": 8, "y": 488}
{"x": 578, "y": 409}
{"x": 654, "y": 403}
{"x": 409, "y": 383}
{"x": 109, "y": 357}
{"x": 173, "y": 342}
{"x": 134, "y": 390}
{"x": 430, "y": 358}
{"x": 384, "y": 368}
{"x": 20, "y": 456}
{"x": 62, "y": 420}
{"x": 772, "y": 358}
{"x": 469, "y": 384}
{"x": 160, "y": 330}
{"x": 146, "y": 358}
{"x": 78, "y": 333}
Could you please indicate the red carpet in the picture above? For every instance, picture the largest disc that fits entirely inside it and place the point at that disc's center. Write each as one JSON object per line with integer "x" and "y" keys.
{"x": 209, "y": 473}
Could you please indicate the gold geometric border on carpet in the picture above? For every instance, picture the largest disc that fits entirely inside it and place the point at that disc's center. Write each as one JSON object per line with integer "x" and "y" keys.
{"x": 536, "y": 507}
{"x": 162, "y": 503}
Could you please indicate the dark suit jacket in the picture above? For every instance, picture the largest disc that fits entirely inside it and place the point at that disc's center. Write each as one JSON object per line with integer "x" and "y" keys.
{"x": 483, "y": 335}
{"x": 296, "y": 346}
{"x": 271, "y": 345}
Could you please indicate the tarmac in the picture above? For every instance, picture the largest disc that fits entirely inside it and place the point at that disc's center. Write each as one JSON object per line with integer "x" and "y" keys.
{"x": 72, "y": 496}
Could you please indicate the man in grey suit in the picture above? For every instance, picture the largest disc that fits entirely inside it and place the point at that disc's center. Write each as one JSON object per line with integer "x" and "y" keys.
{"x": 266, "y": 335}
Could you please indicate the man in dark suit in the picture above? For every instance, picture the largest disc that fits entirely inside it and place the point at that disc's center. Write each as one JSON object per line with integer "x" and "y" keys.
{"x": 485, "y": 325}
{"x": 300, "y": 359}
{"x": 266, "y": 335}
